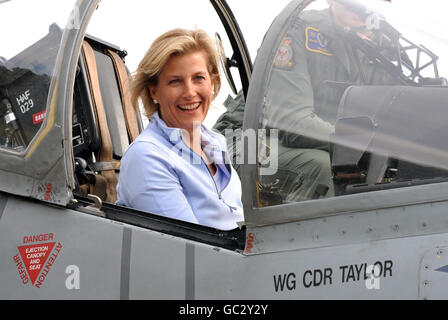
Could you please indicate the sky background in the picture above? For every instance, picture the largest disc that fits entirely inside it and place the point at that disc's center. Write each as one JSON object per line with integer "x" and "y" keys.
{"x": 134, "y": 24}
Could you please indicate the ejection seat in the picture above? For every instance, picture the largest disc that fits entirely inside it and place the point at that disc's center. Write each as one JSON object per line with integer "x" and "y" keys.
{"x": 104, "y": 120}
{"x": 385, "y": 139}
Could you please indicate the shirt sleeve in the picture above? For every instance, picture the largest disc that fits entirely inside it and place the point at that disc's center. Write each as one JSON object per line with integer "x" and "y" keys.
{"x": 149, "y": 182}
{"x": 291, "y": 98}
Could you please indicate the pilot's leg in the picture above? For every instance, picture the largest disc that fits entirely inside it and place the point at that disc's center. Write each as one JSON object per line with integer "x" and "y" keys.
{"x": 304, "y": 174}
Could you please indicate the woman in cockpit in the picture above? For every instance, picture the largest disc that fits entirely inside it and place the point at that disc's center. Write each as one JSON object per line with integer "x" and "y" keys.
{"x": 177, "y": 167}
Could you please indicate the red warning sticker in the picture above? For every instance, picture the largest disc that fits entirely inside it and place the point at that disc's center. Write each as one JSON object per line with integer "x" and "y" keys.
{"x": 39, "y": 117}
{"x": 34, "y": 261}
{"x": 34, "y": 258}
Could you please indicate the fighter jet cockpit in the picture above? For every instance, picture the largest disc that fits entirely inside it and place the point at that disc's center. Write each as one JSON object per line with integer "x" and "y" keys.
{"x": 335, "y": 117}
{"x": 354, "y": 100}
{"x": 24, "y": 85}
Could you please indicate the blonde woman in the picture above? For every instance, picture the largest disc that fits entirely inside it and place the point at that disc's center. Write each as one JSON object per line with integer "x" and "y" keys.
{"x": 177, "y": 167}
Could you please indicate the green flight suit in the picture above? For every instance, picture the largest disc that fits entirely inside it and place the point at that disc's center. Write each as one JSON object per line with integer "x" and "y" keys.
{"x": 312, "y": 62}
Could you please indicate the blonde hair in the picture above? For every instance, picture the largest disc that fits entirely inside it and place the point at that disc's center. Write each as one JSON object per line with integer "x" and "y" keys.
{"x": 172, "y": 43}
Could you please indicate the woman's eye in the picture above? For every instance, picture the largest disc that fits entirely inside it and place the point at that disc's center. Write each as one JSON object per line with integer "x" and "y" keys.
{"x": 174, "y": 81}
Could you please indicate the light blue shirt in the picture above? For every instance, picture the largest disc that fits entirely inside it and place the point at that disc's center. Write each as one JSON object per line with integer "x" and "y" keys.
{"x": 160, "y": 174}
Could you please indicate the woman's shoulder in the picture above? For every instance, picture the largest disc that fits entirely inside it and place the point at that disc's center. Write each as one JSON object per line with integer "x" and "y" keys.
{"x": 150, "y": 143}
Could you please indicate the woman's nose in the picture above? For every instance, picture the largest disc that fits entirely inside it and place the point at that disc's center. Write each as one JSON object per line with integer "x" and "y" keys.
{"x": 189, "y": 89}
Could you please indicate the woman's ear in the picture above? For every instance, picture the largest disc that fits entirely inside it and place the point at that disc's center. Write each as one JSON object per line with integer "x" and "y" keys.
{"x": 153, "y": 92}
{"x": 213, "y": 93}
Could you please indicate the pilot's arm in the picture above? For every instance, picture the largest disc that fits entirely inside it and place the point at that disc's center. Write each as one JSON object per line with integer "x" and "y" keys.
{"x": 149, "y": 183}
{"x": 291, "y": 97}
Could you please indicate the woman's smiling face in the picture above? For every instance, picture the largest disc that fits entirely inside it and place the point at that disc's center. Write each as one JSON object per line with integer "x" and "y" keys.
{"x": 184, "y": 90}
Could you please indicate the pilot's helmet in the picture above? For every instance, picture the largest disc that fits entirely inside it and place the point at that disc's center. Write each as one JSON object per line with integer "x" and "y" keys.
{"x": 357, "y": 7}
{"x": 369, "y": 18}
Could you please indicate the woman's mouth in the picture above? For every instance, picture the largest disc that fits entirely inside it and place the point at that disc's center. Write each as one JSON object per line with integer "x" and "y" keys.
{"x": 189, "y": 107}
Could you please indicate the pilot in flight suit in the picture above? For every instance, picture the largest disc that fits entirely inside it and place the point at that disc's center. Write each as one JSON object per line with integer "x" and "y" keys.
{"x": 315, "y": 62}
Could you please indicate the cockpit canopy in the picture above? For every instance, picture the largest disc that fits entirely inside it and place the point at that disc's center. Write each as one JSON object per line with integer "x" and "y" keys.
{"x": 353, "y": 99}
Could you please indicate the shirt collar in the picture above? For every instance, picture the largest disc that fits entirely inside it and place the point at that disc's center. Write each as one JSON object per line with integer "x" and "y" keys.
{"x": 213, "y": 144}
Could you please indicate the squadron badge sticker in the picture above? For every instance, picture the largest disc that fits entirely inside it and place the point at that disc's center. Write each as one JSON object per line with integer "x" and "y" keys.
{"x": 36, "y": 257}
{"x": 317, "y": 41}
{"x": 284, "y": 55}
